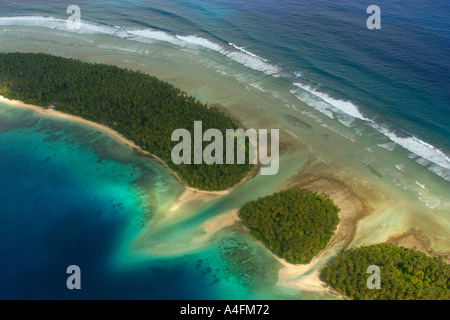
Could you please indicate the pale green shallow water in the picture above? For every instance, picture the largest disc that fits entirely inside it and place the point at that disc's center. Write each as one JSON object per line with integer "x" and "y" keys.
{"x": 402, "y": 193}
{"x": 72, "y": 195}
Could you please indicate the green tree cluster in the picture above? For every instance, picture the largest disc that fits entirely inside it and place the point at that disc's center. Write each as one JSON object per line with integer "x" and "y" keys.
{"x": 142, "y": 108}
{"x": 405, "y": 274}
{"x": 294, "y": 224}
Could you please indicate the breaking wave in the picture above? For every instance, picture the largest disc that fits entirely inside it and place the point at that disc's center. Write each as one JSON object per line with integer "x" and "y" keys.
{"x": 343, "y": 111}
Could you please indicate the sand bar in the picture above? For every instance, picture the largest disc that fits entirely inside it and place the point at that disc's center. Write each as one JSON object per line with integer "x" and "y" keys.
{"x": 190, "y": 194}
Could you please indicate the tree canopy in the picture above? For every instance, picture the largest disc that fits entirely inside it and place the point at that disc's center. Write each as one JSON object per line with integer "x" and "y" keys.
{"x": 405, "y": 274}
{"x": 142, "y": 108}
{"x": 294, "y": 224}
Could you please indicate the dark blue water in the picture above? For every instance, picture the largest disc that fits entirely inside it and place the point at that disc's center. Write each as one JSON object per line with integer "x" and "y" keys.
{"x": 396, "y": 76}
{"x": 72, "y": 196}
{"x": 52, "y": 216}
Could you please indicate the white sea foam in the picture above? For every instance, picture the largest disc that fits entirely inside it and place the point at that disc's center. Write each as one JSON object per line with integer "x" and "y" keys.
{"x": 310, "y": 100}
{"x": 329, "y": 106}
{"x": 149, "y": 35}
{"x": 422, "y": 161}
{"x": 292, "y": 107}
{"x": 257, "y": 86}
{"x": 202, "y": 42}
{"x": 444, "y": 173}
{"x": 388, "y": 146}
{"x": 231, "y": 51}
{"x": 32, "y": 21}
{"x": 430, "y": 200}
{"x": 346, "y": 110}
{"x": 234, "y": 52}
{"x": 346, "y": 120}
{"x": 420, "y": 185}
{"x": 245, "y": 51}
{"x": 417, "y": 147}
{"x": 346, "y": 107}
{"x": 61, "y": 24}
{"x": 253, "y": 62}
{"x": 125, "y": 49}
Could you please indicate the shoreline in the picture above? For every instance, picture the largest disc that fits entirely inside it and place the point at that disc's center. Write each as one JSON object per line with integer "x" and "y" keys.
{"x": 415, "y": 240}
{"x": 301, "y": 277}
{"x": 119, "y": 137}
{"x": 306, "y": 277}
{"x": 188, "y": 243}
{"x": 255, "y": 108}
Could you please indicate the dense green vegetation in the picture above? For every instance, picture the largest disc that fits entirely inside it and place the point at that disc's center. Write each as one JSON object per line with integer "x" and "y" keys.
{"x": 405, "y": 274}
{"x": 295, "y": 224}
{"x": 140, "y": 107}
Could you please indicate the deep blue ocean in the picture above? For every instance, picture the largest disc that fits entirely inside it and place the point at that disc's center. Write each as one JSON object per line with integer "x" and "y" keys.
{"x": 71, "y": 200}
{"x": 397, "y": 78}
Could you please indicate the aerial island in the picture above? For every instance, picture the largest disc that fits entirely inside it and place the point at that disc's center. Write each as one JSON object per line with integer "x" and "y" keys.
{"x": 295, "y": 224}
{"x": 405, "y": 274}
{"x": 140, "y": 107}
